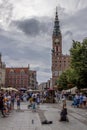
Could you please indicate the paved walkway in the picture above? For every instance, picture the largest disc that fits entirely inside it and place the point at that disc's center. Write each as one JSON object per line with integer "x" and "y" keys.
{"x": 22, "y": 120}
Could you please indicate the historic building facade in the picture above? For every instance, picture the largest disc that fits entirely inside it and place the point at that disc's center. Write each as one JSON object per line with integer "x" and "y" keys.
{"x": 60, "y": 62}
{"x": 20, "y": 78}
{"x": 33, "y": 84}
{"x": 2, "y": 72}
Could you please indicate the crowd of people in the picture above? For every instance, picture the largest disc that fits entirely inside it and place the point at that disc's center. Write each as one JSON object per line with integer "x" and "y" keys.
{"x": 34, "y": 101}
{"x": 6, "y": 102}
{"x": 79, "y": 100}
{"x": 8, "y": 98}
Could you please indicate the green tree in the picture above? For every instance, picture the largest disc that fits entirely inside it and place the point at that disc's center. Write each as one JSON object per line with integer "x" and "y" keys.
{"x": 71, "y": 77}
{"x": 62, "y": 81}
{"x": 67, "y": 79}
{"x": 78, "y": 54}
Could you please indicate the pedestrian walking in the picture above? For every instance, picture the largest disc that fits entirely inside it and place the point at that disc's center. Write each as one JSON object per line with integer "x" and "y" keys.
{"x": 84, "y": 100}
{"x": 34, "y": 105}
{"x": 18, "y": 102}
{"x": 2, "y": 105}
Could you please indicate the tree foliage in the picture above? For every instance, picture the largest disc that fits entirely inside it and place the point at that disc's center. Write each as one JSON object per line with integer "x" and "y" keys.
{"x": 78, "y": 54}
{"x": 76, "y": 75}
{"x": 67, "y": 79}
{"x": 62, "y": 81}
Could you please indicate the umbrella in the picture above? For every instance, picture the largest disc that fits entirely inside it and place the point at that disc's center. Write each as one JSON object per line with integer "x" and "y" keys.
{"x": 30, "y": 90}
{"x": 34, "y": 90}
{"x": 23, "y": 89}
{"x": 2, "y": 88}
{"x": 11, "y": 89}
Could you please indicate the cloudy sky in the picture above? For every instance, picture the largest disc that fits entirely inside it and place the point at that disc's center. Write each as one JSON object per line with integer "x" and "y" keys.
{"x": 26, "y": 31}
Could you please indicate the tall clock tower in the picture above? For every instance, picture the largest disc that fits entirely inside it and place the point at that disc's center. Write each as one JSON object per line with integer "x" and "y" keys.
{"x": 60, "y": 62}
{"x": 56, "y": 50}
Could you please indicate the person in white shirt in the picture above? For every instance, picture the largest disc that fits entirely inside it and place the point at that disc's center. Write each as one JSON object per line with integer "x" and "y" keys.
{"x": 84, "y": 100}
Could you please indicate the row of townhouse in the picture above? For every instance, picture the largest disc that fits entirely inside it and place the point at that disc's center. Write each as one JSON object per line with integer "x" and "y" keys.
{"x": 17, "y": 77}
{"x": 45, "y": 85}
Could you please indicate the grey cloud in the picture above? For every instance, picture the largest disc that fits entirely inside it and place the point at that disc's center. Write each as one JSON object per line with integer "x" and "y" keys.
{"x": 75, "y": 21}
{"x": 36, "y": 55}
{"x": 34, "y": 27}
{"x": 47, "y": 70}
{"x": 30, "y": 27}
{"x": 69, "y": 33}
{"x": 37, "y": 68}
{"x": 6, "y": 12}
{"x": 73, "y": 27}
{"x": 29, "y": 52}
{"x": 20, "y": 49}
{"x": 44, "y": 69}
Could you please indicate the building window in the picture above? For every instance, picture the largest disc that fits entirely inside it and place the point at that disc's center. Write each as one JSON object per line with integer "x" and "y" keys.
{"x": 22, "y": 71}
{"x": 11, "y": 71}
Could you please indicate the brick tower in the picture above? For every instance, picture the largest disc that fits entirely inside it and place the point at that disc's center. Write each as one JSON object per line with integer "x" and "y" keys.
{"x": 60, "y": 62}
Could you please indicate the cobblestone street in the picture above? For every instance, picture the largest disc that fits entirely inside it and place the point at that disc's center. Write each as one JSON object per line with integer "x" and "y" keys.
{"x": 22, "y": 120}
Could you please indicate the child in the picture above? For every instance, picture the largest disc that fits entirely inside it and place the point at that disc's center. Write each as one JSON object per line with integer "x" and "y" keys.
{"x": 63, "y": 114}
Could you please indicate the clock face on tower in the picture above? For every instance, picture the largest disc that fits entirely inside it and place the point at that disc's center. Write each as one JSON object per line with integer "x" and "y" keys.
{"x": 56, "y": 40}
